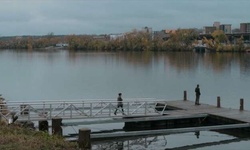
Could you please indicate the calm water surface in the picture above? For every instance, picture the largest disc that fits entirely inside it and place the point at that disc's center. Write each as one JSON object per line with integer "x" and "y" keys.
{"x": 70, "y": 75}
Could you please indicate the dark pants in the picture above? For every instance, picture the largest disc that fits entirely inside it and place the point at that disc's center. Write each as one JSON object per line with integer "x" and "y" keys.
{"x": 197, "y": 100}
{"x": 118, "y": 106}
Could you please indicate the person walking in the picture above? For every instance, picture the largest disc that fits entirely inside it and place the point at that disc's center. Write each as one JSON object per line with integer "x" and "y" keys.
{"x": 197, "y": 95}
{"x": 119, "y": 103}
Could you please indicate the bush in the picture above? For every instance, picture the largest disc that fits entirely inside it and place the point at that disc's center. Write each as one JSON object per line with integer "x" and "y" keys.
{"x": 19, "y": 138}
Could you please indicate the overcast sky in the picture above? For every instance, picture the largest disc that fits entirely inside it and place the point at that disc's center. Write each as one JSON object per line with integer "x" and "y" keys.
{"x": 39, "y": 17}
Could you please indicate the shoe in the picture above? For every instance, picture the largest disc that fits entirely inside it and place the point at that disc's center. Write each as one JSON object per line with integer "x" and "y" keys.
{"x": 114, "y": 113}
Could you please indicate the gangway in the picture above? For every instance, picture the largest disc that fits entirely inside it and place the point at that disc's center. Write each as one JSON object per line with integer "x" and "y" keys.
{"x": 80, "y": 109}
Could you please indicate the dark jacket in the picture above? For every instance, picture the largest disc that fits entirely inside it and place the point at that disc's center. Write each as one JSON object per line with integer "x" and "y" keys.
{"x": 197, "y": 91}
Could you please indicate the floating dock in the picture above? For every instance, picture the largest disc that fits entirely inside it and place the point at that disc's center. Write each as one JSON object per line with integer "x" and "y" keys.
{"x": 187, "y": 117}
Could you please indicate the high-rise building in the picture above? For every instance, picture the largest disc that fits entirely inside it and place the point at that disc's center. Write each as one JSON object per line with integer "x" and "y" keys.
{"x": 226, "y": 28}
{"x": 217, "y": 25}
{"x": 209, "y": 29}
{"x": 245, "y": 27}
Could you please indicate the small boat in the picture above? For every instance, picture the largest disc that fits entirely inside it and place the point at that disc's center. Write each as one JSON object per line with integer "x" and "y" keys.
{"x": 200, "y": 48}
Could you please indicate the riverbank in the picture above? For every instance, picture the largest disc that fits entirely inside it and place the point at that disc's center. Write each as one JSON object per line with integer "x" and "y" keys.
{"x": 16, "y": 137}
{"x": 180, "y": 40}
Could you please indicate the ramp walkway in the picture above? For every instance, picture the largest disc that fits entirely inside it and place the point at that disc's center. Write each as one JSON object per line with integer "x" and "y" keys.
{"x": 81, "y": 109}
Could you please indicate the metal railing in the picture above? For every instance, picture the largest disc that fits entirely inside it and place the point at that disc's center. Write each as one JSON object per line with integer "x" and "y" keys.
{"x": 80, "y": 109}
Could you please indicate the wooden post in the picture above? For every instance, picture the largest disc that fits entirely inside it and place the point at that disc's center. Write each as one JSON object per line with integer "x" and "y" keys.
{"x": 84, "y": 138}
{"x": 185, "y": 95}
{"x": 241, "y": 104}
{"x": 56, "y": 126}
{"x": 218, "y": 101}
{"x": 43, "y": 125}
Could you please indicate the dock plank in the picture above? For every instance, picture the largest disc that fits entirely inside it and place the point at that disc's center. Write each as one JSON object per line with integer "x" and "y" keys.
{"x": 189, "y": 107}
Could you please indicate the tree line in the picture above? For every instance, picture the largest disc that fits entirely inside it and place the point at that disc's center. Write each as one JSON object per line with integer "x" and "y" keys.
{"x": 179, "y": 40}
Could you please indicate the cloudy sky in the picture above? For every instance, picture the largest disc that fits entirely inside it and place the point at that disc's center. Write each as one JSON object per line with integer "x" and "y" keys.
{"x": 40, "y": 17}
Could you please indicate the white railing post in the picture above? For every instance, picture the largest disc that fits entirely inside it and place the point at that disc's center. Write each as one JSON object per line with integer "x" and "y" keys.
{"x": 63, "y": 108}
{"x": 146, "y": 108}
{"x": 28, "y": 112}
{"x": 101, "y": 106}
{"x": 50, "y": 110}
{"x": 90, "y": 109}
{"x": 70, "y": 110}
{"x": 43, "y": 107}
{"x": 128, "y": 109}
{"x": 110, "y": 109}
{"x": 83, "y": 106}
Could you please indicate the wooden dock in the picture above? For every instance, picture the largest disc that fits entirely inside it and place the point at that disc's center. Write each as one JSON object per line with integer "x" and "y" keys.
{"x": 188, "y": 107}
{"x": 238, "y": 119}
{"x": 181, "y": 109}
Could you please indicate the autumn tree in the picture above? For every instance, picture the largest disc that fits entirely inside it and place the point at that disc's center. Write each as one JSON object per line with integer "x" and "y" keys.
{"x": 181, "y": 39}
{"x": 73, "y": 41}
{"x": 220, "y": 40}
{"x": 240, "y": 44}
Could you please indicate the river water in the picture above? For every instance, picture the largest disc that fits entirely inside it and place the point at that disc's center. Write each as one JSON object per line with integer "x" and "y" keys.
{"x": 64, "y": 75}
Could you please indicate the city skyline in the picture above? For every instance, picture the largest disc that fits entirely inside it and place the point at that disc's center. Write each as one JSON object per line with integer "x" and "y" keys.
{"x": 39, "y": 17}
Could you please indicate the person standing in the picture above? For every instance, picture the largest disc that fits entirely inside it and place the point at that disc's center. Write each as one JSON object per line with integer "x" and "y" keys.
{"x": 197, "y": 95}
{"x": 119, "y": 103}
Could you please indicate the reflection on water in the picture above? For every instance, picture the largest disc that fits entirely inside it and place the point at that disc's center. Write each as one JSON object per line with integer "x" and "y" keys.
{"x": 72, "y": 75}
{"x": 219, "y": 62}
{"x": 205, "y": 140}
{"x": 179, "y": 60}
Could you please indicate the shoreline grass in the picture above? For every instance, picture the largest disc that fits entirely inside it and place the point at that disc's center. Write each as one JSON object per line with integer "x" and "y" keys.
{"x": 13, "y": 137}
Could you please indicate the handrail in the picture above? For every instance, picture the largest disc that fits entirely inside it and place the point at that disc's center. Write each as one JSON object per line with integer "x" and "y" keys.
{"x": 85, "y": 100}
{"x": 81, "y": 109}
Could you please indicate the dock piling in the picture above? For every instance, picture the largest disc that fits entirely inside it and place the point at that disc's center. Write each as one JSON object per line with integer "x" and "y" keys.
{"x": 185, "y": 95}
{"x": 84, "y": 138}
{"x": 218, "y": 102}
{"x": 56, "y": 126}
{"x": 241, "y": 104}
{"x": 43, "y": 125}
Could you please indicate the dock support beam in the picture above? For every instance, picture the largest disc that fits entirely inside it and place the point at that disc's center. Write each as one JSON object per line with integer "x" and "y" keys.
{"x": 241, "y": 104}
{"x": 84, "y": 138}
{"x": 24, "y": 110}
{"x": 43, "y": 125}
{"x": 185, "y": 96}
{"x": 218, "y": 101}
{"x": 56, "y": 126}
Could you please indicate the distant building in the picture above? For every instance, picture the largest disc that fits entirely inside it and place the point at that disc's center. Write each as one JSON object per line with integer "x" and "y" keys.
{"x": 236, "y": 30}
{"x": 164, "y": 34}
{"x": 147, "y": 30}
{"x": 245, "y": 27}
{"x": 116, "y": 36}
{"x": 170, "y": 31}
{"x": 62, "y": 45}
{"x": 226, "y": 28}
{"x": 101, "y": 37}
{"x": 217, "y": 25}
{"x": 209, "y": 29}
{"x": 160, "y": 34}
